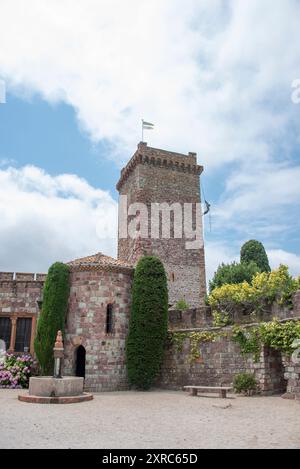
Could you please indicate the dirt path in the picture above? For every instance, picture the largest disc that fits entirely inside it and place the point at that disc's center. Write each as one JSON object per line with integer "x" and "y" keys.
{"x": 157, "y": 419}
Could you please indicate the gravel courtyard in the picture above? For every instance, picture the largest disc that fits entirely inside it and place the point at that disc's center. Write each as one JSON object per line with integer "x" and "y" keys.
{"x": 156, "y": 419}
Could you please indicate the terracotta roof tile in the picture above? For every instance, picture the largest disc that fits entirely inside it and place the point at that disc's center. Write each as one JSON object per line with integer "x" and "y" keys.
{"x": 97, "y": 262}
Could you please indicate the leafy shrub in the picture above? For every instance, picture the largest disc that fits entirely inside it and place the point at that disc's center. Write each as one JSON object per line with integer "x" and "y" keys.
{"x": 182, "y": 305}
{"x": 249, "y": 340}
{"x": 280, "y": 336}
{"x": 52, "y": 318}
{"x": 256, "y": 296}
{"x": 221, "y": 320}
{"x": 15, "y": 371}
{"x": 148, "y": 322}
{"x": 254, "y": 251}
{"x": 232, "y": 274}
{"x": 244, "y": 383}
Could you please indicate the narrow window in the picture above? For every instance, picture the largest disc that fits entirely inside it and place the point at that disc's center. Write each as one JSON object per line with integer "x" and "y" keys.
{"x": 23, "y": 335}
{"x": 172, "y": 277}
{"x": 5, "y": 331}
{"x": 109, "y": 319}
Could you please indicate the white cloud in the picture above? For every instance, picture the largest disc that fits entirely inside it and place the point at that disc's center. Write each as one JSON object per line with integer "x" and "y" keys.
{"x": 218, "y": 252}
{"x": 279, "y": 256}
{"x": 45, "y": 219}
{"x": 261, "y": 201}
{"x": 214, "y": 76}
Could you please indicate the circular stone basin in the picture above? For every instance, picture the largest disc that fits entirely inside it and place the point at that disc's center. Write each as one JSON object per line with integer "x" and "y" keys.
{"x": 55, "y": 400}
{"x": 47, "y": 386}
{"x": 49, "y": 390}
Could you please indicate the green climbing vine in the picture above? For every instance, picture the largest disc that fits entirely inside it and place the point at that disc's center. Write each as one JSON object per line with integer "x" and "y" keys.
{"x": 177, "y": 339}
{"x": 275, "y": 334}
{"x": 196, "y": 338}
{"x": 248, "y": 340}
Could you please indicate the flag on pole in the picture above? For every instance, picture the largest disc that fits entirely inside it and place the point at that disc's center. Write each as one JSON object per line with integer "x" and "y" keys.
{"x": 147, "y": 125}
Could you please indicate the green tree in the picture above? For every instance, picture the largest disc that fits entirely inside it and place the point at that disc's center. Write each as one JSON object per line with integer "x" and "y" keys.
{"x": 148, "y": 324}
{"x": 53, "y": 314}
{"x": 254, "y": 251}
{"x": 233, "y": 273}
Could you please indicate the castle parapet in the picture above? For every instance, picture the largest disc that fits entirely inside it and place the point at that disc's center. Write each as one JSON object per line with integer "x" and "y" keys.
{"x": 161, "y": 158}
{"x": 22, "y": 277}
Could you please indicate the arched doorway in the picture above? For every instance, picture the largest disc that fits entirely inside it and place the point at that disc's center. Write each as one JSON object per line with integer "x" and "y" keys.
{"x": 80, "y": 361}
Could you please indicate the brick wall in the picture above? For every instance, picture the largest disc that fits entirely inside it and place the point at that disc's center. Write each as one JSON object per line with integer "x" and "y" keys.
{"x": 91, "y": 292}
{"x": 292, "y": 375}
{"x": 20, "y": 292}
{"x": 202, "y": 316}
{"x": 219, "y": 362}
{"x": 19, "y": 296}
{"x": 190, "y": 318}
{"x": 158, "y": 176}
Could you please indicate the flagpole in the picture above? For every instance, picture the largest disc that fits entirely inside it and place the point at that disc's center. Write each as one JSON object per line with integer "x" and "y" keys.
{"x": 146, "y": 125}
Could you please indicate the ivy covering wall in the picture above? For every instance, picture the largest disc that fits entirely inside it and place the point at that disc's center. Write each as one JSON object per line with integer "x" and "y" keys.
{"x": 274, "y": 334}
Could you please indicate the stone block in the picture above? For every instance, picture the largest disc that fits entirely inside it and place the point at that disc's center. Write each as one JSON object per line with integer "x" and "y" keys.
{"x": 48, "y": 386}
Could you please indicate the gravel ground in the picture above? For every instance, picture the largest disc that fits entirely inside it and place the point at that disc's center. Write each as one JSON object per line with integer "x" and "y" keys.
{"x": 156, "y": 419}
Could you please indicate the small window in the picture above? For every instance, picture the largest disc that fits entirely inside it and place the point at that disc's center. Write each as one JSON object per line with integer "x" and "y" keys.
{"x": 172, "y": 277}
{"x": 23, "y": 335}
{"x": 109, "y": 319}
{"x": 5, "y": 331}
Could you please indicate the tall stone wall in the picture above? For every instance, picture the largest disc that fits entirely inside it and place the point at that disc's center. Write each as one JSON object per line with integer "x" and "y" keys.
{"x": 155, "y": 176}
{"x": 219, "y": 362}
{"x": 91, "y": 292}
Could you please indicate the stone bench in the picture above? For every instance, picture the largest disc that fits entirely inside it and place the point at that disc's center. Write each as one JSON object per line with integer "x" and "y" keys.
{"x": 222, "y": 390}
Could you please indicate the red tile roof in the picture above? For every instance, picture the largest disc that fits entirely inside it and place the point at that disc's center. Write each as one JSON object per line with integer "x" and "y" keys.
{"x": 99, "y": 262}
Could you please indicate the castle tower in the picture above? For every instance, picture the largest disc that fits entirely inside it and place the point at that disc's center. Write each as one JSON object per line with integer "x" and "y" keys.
{"x": 153, "y": 177}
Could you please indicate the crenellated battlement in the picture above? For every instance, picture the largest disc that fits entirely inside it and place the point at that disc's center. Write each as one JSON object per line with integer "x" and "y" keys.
{"x": 161, "y": 158}
{"x": 22, "y": 277}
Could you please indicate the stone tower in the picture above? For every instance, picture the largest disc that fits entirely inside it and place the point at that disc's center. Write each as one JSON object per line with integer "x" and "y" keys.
{"x": 153, "y": 177}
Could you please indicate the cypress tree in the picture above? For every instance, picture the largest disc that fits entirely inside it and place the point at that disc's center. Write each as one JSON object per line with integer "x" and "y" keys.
{"x": 148, "y": 324}
{"x": 254, "y": 251}
{"x": 53, "y": 314}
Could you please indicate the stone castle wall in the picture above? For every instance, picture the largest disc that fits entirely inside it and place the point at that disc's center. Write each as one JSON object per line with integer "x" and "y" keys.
{"x": 91, "y": 292}
{"x": 19, "y": 296}
{"x": 158, "y": 176}
{"x": 202, "y": 316}
{"x": 19, "y": 292}
{"x": 219, "y": 362}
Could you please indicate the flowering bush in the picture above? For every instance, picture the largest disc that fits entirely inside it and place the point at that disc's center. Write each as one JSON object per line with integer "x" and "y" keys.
{"x": 255, "y": 297}
{"x": 15, "y": 371}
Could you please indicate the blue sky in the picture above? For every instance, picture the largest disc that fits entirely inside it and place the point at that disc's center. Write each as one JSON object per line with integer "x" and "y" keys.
{"x": 215, "y": 77}
{"x": 34, "y": 132}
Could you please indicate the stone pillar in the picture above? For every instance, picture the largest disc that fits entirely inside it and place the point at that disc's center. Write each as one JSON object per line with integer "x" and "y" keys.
{"x": 13, "y": 334}
{"x": 292, "y": 375}
{"x": 33, "y": 328}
